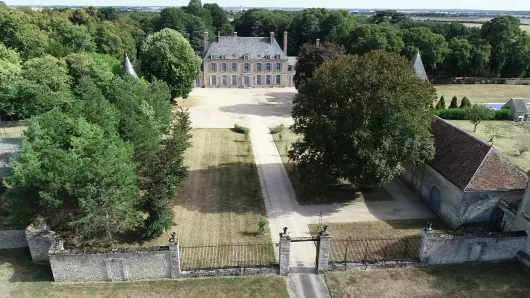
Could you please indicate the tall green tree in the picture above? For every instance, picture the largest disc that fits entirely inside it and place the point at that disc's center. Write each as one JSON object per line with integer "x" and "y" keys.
{"x": 10, "y": 77}
{"x": 360, "y": 128}
{"x": 311, "y": 57}
{"x": 505, "y": 37}
{"x": 219, "y": 15}
{"x": 371, "y": 37}
{"x": 75, "y": 177}
{"x": 69, "y": 38}
{"x": 168, "y": 56}
{"x": 433, "y": 47}
{"x": 165, "y": 176}
{"x": 459, "y": 58}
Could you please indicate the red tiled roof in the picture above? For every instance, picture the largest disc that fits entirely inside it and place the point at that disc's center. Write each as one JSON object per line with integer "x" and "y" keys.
{"x": 470, "y": 163}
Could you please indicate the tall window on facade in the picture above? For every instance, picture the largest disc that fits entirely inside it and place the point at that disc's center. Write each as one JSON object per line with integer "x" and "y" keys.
{"x": 213, "y": 80}
{"x": 246, "y": 67}
{"x": 278, "y": 80}
{"x": 224, "y": 80}
{"x": 213, "y": 67}
{"x": 268, "y": 80}
{"x": 247, "y": 81}
{"x": 258, "y": 80}
{"x": 234, "y": 67}
{"x": 258, "y": 66}
{"x": 278, "y": 67}
{"x": 290, "y": 67}
{"x": 268, "y": 67}
{"x": 234, "y": 80}
{"x": 223, "y": 67}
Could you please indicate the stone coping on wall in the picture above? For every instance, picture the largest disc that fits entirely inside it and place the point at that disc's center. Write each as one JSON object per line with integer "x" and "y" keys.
{"x": 341, "y": 266}
{"x": 93, "y": 250}
{"x": 232, "y": 271}
{"x": 515, "y": 234}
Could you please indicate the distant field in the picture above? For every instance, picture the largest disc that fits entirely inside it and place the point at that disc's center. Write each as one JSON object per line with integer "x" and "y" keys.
{"x": 512, "y": 134}
{"x": 483, "y": 93}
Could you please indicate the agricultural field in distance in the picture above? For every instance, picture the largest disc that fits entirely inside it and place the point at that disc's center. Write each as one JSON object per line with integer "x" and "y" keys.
{"x": 483, "y": 93}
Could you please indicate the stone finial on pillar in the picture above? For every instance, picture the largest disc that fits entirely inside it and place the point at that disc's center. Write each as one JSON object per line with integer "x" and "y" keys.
{"x": 285, "y": 252}
{"x": 324, "y": 249}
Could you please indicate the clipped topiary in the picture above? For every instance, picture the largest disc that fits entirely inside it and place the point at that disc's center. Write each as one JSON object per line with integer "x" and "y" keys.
{"x": 454, "y": 103}
{"x": 465, "y": 103}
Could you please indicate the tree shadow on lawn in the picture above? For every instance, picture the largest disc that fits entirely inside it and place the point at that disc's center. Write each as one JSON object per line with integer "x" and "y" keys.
{"x": 16, "y": 266}
{"x": 277, "y": 104}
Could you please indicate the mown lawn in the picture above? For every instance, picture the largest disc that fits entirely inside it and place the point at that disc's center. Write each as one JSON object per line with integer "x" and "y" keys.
{"x": 20, "y": 278}
{"x": 483, "y": 93}
{"x": 512, "y": 133}
{"x": 508, "y": 279}
{"x": 220, "y": 201}
{"x": 339, "y": 193}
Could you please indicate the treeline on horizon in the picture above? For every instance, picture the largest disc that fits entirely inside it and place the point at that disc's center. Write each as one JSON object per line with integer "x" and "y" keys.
{"x": 498, "y": 49}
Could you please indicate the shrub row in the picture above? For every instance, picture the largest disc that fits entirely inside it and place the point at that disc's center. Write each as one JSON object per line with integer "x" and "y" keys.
{"x": 461, "y": 114}
{"x": 277, "y": 129}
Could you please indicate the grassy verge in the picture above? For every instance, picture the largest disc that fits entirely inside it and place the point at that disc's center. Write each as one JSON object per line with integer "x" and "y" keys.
{"x": 511, "y": 132}
{"x": 509, "y": 279}
{"x": 20, "y": 278}
{"x": 339, "y": 193}
{"x": 483, "y": 93}
{"x": 220, "y": 200}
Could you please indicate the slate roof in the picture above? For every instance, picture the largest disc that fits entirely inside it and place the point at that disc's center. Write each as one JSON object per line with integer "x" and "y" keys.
{"x": 236, "y": 47}
{"x": 470, "y": 163}
{"x": 518, "y": 103}
{"x": 417, "y": 63}
{"x": 128, "y": 67}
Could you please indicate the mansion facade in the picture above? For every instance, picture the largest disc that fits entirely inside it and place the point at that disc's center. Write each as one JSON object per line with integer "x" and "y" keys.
{"x": 245, "y": 62}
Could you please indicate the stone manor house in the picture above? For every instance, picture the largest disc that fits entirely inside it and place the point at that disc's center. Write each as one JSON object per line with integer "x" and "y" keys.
{"x": 245, "y": 62}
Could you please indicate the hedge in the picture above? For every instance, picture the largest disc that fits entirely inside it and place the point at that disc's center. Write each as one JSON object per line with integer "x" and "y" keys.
{"x": 461, "y": 114}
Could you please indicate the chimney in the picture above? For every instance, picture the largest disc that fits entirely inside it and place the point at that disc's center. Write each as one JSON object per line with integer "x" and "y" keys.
{"x": 205, "y": 42}
{"x": 235, "y": 34}
{"x": 285, "y": 42}
{"x": 318, "y": 42}
{"x": 272, "y": 37}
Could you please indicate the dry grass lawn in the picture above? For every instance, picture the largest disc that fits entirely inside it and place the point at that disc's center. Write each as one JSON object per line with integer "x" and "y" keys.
{"x": 483, "y": 93}
{"x": 14, "y": 131}
{"x": 380, "y": 229}
{"x": 220, "y": 201}
{"x": 356, "y": 242}
{"x": 20, "y": 278}
{"x": 512, "y": 135}
{"x": 343, "y": 192}
{"x": 508, "y": 279}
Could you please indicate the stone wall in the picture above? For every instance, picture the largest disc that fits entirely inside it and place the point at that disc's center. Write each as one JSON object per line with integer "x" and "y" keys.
{"x": 75, "y": 266}
{"x": 13, "y": 238}
{"x": 422, "y": 180}
{"x": 448, "y": 249}
{"x": 40, "y": 238}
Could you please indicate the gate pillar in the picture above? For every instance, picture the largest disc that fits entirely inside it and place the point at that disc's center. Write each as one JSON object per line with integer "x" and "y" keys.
{"x": 323, "y": 250}
{"x": 285, "y": 252}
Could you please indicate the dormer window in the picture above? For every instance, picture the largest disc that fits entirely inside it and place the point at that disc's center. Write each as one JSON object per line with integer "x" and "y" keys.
{"x": 245, "y": 57}
{"x": 267, "y": 56}
{"x": 276, "y": 56}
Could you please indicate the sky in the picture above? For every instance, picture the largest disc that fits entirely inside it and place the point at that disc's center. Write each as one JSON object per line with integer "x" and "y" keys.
{"x": 378, "y": 4}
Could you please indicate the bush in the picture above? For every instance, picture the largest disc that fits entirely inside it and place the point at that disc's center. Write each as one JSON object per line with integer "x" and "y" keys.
{"x": 452, "y": 114}
{"x": 465, "y": 103}
{"x": 277, "y": 129}
{"x": 441, "y": 104}
{"x": 503, "y": 114}
{"x": 454, "y": 103}
{"x": 263, "y": 228}
{"x": 241, "y": 129}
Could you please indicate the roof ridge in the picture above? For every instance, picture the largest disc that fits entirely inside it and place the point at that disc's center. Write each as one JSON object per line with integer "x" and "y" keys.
{"x": 476, "y": 170}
